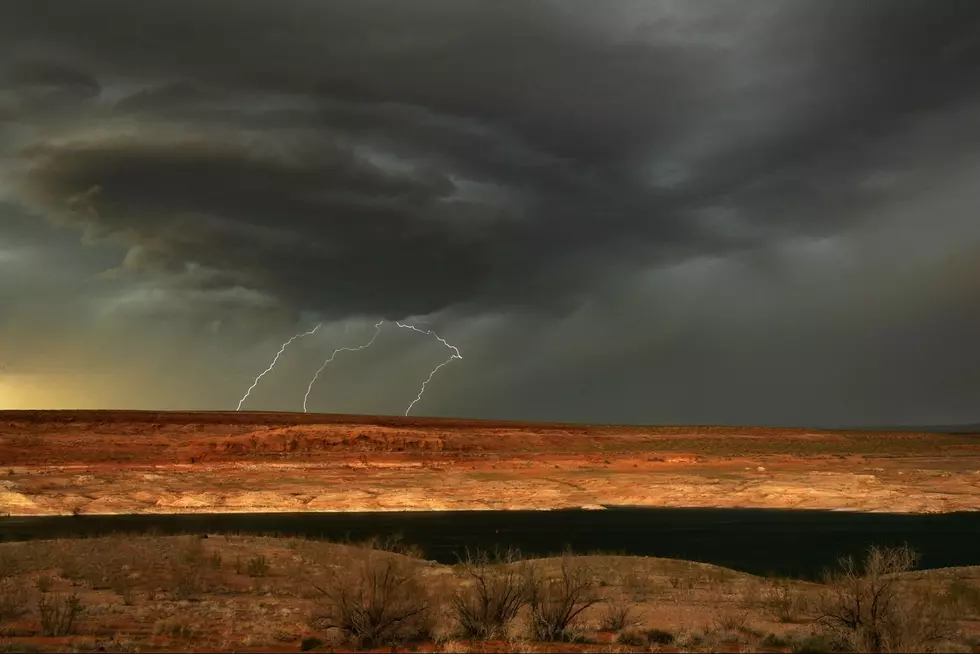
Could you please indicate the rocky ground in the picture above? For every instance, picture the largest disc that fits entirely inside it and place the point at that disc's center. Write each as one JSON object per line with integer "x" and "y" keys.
{"x": 106, "y": 462}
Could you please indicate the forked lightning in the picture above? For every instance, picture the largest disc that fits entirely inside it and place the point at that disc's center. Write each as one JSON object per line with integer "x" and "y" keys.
{"x": 377, "y": 330}
{"x": 454, "y": 355}
{"x": 273, "y": 364}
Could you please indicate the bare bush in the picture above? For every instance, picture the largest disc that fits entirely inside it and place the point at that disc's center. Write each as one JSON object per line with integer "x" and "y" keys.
{"x": 784, "y": 603}
{"x": 377, "y": 602}
{"x": 394, "y": 543}
{"x": 617, "y": 616}
{"x": 498, "y": 586}
{"x": 175, "y": 627}
{"x": 186, "y": 582}
{"x": 556, "y": 602}
{"x": 964, "y": 597}
{"x": 633, "y": 638}
{"x": 257, "y": 566}
{"x": 14, "y": 599}
{"x": 58, "y": 615}
{"x": 190, "y": 550}
{"x": 866, "y": 610}
{"x": 733, "y": 621}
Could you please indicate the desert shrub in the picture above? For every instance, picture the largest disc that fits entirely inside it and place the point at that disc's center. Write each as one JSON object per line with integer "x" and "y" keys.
{"x": 772, "y": 640}
{"x": 307, "y": 644}
{"x": 190, "y": 550}
{"x": 257, "y": 566}
{"x": 692, "y": 640}
{"x": 732, "y": 621}
{"x": 964, "y": 596}
{"x": 43, "y": 583}
{"x": 819, "y": 644}
{"x": 499, "y": 585}
{"x": 632, "y": 637}
{"x": 394, "y": 543}
{"x": 375, "y": 602}
{"x": 616, "y": 616}
{"x": 783, "y": 603}
{"x": 58, "y": 615}
{"x": 174, "y": 627}
{"x": 556, "y": 602}
{"x": 186, "y": 582}
{"x": 659, "y": 637}
{"x": 865, "y": 609}
{"x": 14, "y": 599}
{"x": 124, "y": 587}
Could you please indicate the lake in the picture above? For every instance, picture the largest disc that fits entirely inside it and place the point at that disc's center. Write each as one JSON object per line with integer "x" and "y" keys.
{"x": 760, "y": 541}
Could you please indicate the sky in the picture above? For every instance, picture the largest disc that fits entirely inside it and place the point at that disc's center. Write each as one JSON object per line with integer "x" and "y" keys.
{"x": 652, "y": 211}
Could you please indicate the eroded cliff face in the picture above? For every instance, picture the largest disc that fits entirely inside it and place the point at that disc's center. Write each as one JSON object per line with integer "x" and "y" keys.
{"x": 128, "y": 462}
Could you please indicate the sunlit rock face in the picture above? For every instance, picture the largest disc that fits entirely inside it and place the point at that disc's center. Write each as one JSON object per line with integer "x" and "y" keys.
{"x": 128, "y": 462}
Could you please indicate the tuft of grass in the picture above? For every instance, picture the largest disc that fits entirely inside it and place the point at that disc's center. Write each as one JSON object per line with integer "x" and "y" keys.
{"x": 257, "y": 566}
{"x": 659, "y": 637}
{"x": 617, "y": 616}
{"x": 43, "y": 584}
{"x": 732, "y": 621}
{"x": 174, "y": 627}
{"x": 632, "y": 637}
{"x": 819, "y": 644}
{"x": 14, "y": 599}
{"x": 772, "y": 640}
{"x": 636, "y": 638}
{"x": 186, "y": 582}
{"x": 964, "y": 596}
{"x": 784, "y": 603}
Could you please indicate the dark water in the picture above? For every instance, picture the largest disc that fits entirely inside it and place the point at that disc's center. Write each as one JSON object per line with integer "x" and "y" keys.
{"x": 775, "y": 542}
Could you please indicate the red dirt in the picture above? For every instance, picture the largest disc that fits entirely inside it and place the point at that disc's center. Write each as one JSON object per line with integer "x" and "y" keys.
{"x": 157, "y": 462}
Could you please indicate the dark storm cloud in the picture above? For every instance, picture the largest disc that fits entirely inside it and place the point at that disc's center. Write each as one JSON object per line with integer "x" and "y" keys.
{"x": 607, "y": 162}
{"x": 556, "y": 121}
{"x": 33, "y": 74}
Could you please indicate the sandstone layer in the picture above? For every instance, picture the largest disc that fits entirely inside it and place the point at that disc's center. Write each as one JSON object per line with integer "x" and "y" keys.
{"x": 112, "y": 462}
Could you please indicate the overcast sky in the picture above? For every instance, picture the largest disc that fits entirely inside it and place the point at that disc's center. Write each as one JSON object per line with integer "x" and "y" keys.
{"x": 677, "y": 211}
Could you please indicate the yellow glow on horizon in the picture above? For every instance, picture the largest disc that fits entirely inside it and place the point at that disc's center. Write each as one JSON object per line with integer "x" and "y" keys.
{"x": 12, "y": 393}
{"x": 24, "y": 391}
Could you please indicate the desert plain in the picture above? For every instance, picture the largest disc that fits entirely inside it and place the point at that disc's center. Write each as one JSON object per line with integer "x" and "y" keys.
{"x": 130, "y": 462}
{"x": 227, "y": 592}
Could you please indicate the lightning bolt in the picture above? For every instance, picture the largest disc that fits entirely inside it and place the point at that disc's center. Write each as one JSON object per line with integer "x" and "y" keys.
{"x": 377, "y": 330}
{"x": 273, "y": 364}
{"x": 454, "y": 355}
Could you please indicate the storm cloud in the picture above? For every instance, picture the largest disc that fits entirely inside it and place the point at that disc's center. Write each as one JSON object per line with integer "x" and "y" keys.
{"x": 626, "y": 212}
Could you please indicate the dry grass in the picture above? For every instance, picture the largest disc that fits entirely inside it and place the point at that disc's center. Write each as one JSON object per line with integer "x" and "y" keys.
{"x": 14, "y": 599}
{"x": 184, "y": 593}
{"x": 617, "y": 616}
